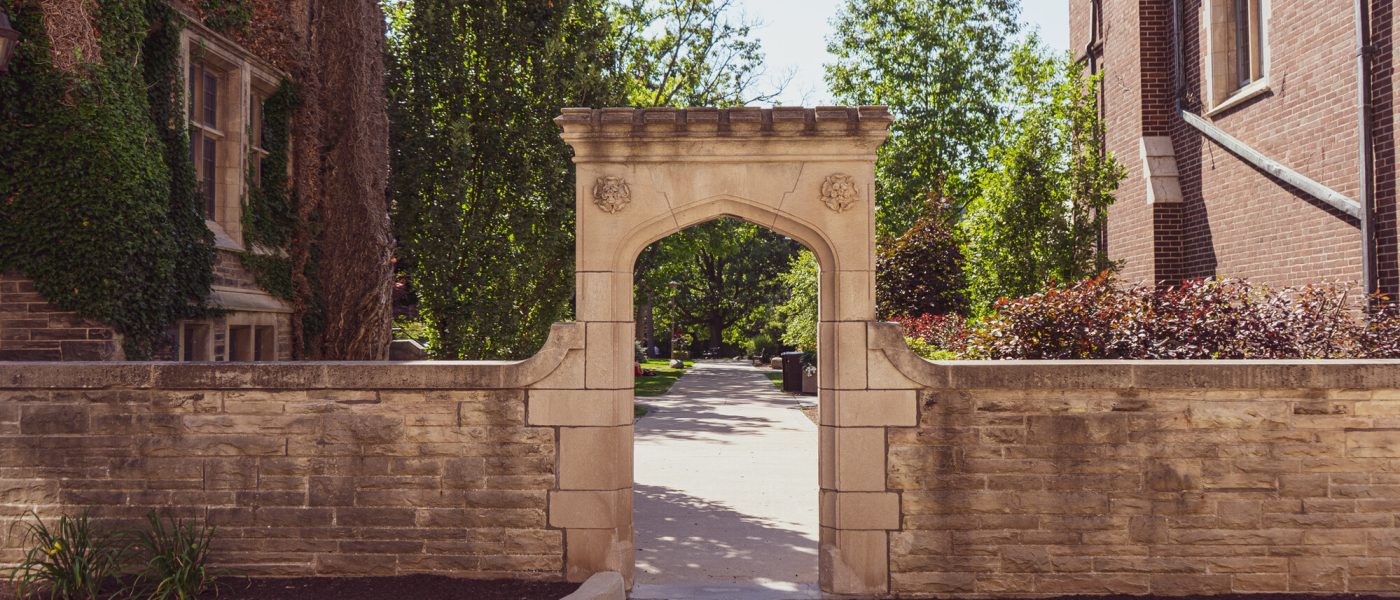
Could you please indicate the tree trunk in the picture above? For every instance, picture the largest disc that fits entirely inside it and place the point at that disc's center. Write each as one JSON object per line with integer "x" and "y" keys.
{"x": 716, "y": 332}
{"x": 342, "y": 163}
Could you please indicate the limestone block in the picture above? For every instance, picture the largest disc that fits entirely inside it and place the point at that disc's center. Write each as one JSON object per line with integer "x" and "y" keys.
{"x": 591, "y": 551}
{"x": 882, "y": 374}
{"x": 854, "y": 562}
{"x": 601, "y": 408}
{"x": 859, "y": 457}
{"x": 595, "y": 458}
{"x": 860, "y": 510}
{"x": 567, "y": 376}
{"x": 590, "y": 509}
{"x": 604, "y": 295}
{"x": 841, "y": 356}
{"x": 46, "y": 419}
{"x": 609, "y": 355}
{"x": 869, "y": 408}
{"x": 855, "y": 296}
{"x": 1383, "y": 443}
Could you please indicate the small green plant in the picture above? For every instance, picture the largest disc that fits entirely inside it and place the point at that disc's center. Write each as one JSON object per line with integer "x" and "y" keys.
{"x": 71, "y": 561}
{"x": 177, "y": 554}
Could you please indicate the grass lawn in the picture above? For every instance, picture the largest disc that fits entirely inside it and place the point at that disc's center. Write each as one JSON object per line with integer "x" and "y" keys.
{"x": 774, "y": 376}
{"x": 656, "y": 385}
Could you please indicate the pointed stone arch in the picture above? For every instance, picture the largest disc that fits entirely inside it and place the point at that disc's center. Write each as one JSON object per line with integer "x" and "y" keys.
{"x": 808, "y": 174}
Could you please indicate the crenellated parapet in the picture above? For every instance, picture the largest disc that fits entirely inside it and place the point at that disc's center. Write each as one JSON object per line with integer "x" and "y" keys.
{"x": 724, "y": 122}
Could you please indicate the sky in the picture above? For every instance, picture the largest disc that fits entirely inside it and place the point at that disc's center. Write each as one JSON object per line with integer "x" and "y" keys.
{"x": 794, "y": 33}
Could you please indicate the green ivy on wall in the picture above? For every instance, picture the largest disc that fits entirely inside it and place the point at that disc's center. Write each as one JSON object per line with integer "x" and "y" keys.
{"x": 227, "y": 15}
{"x": 269, "y": 214}
{"x": 98, "y": 201}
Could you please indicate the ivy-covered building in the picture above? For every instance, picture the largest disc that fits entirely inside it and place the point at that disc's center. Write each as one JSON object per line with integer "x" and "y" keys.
{"x": 151, "y": 202}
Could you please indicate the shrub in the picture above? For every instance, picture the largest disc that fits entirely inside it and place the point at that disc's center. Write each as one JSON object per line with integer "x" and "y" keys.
{"x": 1198, "y": 319}
{"x": 920, "y": 272}
{"x": 177, "y": 554}
{"x": 71, "y": 561}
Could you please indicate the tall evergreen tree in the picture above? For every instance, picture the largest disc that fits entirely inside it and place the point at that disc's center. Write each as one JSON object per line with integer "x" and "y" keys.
{"x": 482, "y": 186}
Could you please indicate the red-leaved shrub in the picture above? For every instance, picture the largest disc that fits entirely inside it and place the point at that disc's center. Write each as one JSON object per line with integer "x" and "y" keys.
{"x": 1199, "y": 319}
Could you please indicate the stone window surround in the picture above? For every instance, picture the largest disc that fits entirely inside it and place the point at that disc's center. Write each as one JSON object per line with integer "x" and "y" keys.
{"x": 253, "y": 320}
{"x": 1222, "y": 89}
{"x": 232, "y": 320}
{"x": 245, "y": 76}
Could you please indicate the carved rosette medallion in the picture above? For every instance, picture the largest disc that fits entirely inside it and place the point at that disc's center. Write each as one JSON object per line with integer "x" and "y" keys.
{"x": 611, "y": 194}
{"x": 839, "y": 192}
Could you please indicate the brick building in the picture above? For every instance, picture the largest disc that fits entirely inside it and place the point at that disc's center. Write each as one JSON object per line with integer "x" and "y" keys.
{"x": 1239, "y": 124}
{"x": 225, "y": 87}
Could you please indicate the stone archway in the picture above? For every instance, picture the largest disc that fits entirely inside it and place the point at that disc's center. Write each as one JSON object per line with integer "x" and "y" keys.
{"x": 644, "y": 174}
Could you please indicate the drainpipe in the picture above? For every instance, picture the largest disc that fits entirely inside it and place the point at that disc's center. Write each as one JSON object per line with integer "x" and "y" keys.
{"x": 1364, "y": 155}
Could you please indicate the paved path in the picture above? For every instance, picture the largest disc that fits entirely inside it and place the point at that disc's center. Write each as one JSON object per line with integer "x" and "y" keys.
{"x": 726, "y": 490}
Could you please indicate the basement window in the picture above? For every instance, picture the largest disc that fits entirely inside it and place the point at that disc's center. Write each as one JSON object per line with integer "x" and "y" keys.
{"x": 195, "y": 342}
{"x": 1238, "y": 51}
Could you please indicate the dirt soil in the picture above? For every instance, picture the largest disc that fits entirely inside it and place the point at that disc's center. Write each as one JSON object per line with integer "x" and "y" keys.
{"x": 416, "y": 587}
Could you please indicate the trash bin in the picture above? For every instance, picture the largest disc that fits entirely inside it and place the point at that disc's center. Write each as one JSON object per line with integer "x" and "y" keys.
{"x": 792, "y": 372}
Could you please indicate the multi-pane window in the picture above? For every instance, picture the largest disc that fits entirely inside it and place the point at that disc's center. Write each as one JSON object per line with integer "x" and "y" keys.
{"x": 206, "y": 84}
{"x": 1247, "y": 42}
{"x": 252, "y": 342}
{"x": 255, "y": 137}
{"x": 1238, "y": 50}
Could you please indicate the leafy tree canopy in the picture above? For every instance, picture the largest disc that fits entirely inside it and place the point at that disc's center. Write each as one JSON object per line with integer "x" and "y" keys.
{"x": 725, "y": 270}
{"x": 1043, "y": 202}
{"x": 940, "y": 65}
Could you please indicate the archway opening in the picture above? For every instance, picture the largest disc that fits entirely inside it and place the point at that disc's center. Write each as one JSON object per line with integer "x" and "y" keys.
{"x": 725, "y": 465}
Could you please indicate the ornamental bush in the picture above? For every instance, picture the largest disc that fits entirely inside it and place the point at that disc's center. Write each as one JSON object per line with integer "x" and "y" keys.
{"x": 920, "y": 272}
{"x": 1198, "y": 319}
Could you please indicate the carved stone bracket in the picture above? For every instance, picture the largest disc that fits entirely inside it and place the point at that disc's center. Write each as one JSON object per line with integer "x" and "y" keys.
{"x": 839, "y": 192}
{"x": 611, "y": 194}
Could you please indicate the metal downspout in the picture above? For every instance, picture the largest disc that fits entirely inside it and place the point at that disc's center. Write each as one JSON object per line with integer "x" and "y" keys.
{"x": 1366, "y": 147}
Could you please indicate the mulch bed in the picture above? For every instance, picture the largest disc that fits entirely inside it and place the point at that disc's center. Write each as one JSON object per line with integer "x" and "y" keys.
{"x": 417, "y": 587}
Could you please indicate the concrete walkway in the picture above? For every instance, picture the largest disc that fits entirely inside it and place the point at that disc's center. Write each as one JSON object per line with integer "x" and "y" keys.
{"x": 726, "y": 490}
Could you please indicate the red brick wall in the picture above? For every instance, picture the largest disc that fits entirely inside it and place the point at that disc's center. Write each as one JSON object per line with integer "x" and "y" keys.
{"x": 1236, "y": 221}
{"x": 1130, "y": 231}
{"x": 1240, "y": 222}
{"x": 1383, "y": 91}
{"x": 33, "y": 329}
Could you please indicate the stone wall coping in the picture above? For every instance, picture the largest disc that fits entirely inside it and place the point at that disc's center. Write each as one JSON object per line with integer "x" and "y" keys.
{"x": 1131, "y": 374}
{"x": 340, "y": 375}
{"x": 741, "y": 121}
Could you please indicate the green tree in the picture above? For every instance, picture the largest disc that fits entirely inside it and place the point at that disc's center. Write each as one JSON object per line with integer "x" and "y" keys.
{"x": 482, "y": 186}
{"x": 1044, "y": 201}
{"x": 687, "y": 53}
{"x": 799, "y": 312}
{"x": 695, "y": 53}
{"x": 725, "y": 269}
{"x": 940, "y": 65}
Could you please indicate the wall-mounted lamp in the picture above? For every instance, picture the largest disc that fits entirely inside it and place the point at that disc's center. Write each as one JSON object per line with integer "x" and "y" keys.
{"x": 9, "y": 38}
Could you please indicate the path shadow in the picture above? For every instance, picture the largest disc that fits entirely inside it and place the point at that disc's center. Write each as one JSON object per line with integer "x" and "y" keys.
{"x": 685, "y": 538}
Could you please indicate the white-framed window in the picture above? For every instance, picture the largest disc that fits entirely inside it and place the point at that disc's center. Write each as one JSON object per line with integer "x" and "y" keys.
{"x": 226, "y": 87}
{"x": 1237, "y": 51}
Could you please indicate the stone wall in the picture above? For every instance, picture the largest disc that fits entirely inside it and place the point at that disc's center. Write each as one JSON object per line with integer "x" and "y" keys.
{"x": 33, "y": 329}
{"x": 306, "y": 468}
{"x": 1136, "y": 478}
